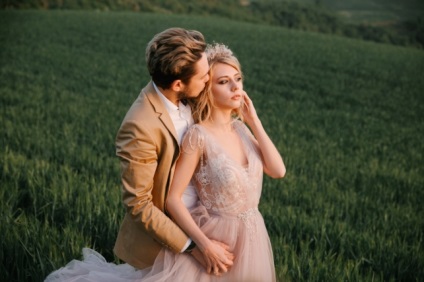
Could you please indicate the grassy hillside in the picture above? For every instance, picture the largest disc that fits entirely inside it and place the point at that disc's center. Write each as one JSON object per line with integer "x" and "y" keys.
{"x": 346, "y": 115}
{"x": 394, "y": 22}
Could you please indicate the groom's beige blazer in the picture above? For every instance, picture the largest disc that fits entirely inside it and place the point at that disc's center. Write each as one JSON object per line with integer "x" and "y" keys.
{"x": 147, "y": 146}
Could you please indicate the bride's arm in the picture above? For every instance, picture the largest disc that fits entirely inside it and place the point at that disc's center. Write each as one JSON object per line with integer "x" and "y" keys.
{"x": 215, "y": 255}
{"x": 273, "y": 162}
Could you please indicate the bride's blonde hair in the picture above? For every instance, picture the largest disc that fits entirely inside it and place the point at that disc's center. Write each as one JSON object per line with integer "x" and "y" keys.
{"x": 217, "y": 54}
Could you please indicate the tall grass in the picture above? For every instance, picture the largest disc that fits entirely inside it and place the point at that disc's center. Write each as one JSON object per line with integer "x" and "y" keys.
{"x": 346, "y": 115}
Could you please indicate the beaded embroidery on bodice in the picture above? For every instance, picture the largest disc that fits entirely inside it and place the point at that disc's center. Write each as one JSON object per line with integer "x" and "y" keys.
{"x": 225, "y": 187}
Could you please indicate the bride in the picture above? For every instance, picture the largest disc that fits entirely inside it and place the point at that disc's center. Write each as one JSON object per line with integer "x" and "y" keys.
{"x": 226, "y": 161}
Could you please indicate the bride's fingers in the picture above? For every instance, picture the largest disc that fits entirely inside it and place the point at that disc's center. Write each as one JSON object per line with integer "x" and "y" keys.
{"x": 246, "y": 97}
{"x": 222, "y": 267}
{"x": 208, "y": 265}
{"x": 247, "y": 103}
{"x": 216, "y": 270}
{"x": 231, "y": 257}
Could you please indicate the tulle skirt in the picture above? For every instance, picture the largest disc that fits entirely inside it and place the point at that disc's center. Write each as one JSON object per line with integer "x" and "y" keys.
{"x": 245, "y": 233}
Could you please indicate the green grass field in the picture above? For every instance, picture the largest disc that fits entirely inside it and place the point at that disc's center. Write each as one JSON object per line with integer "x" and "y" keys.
{"x": 346, "y": 115}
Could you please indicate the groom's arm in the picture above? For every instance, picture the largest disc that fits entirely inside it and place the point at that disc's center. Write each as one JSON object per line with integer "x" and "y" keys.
{"x": 139, "y": 162}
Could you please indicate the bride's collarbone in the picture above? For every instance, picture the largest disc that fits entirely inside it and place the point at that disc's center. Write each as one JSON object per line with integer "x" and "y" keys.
{"x": 231, "y": 145}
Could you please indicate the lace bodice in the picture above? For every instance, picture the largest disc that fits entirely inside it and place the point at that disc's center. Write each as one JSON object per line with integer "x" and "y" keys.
{"x": 225, "y": 187}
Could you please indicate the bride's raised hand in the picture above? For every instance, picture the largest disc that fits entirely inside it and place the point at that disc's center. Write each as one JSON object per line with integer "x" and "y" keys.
{"x": 248, "y": 110}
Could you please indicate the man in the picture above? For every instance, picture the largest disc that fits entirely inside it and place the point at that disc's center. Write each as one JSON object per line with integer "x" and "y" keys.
{"x": 147, "y": 144}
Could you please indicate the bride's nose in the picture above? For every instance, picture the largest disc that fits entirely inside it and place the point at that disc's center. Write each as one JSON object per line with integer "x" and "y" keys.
{"x": 234, "y": 86}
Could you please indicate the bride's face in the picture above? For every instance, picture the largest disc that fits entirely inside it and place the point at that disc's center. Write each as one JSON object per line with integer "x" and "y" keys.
{"x": 226, "y": 86}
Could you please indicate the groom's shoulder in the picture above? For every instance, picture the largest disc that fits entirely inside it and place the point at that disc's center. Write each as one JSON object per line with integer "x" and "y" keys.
{"x": 142, "y": 106}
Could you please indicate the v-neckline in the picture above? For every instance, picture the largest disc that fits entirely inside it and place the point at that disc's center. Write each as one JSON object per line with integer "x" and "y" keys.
{"x": 227, "y": 155}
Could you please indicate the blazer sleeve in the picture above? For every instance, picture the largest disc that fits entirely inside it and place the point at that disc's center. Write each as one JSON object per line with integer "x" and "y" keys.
{"x": 139, "y": 161}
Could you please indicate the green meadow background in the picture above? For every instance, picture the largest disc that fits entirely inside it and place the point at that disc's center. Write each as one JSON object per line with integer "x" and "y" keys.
{"x": 346, "y": 115}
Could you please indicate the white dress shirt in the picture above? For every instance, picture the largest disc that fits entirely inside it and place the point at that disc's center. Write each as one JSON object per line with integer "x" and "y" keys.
{"x": 182, "y": 119}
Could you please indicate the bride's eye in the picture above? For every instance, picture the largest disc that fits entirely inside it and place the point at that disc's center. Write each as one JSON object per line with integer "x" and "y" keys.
{"x": 222, "y": 81}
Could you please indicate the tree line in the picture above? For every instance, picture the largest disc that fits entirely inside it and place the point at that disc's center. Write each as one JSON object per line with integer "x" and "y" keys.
{"x": 290, "y": 14}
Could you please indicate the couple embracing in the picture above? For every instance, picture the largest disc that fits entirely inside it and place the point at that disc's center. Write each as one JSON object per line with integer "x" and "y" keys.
{"x": 191, "y": 173}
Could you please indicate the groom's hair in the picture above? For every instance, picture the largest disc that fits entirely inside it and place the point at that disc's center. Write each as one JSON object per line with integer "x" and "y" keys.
{"x": 172, "y": 55}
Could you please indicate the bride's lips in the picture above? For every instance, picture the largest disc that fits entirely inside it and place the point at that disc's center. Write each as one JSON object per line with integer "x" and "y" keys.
{"x": 236, "y": 97}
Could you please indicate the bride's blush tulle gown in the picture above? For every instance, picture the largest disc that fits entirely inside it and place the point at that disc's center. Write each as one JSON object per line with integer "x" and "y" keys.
{"x": 227, "y": 211}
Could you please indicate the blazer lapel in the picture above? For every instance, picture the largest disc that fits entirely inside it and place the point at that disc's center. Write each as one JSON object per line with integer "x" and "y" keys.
{"x": 160, "y": 109}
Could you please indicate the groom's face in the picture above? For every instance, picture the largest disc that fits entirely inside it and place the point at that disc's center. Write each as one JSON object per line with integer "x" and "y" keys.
{"x": 198, "y": 81}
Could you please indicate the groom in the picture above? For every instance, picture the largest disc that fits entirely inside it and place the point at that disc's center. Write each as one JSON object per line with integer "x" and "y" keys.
{"x": 147, "y": 144}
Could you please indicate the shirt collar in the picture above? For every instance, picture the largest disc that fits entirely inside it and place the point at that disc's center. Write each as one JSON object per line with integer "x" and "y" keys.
{"x": 170, "y": 107}
{"x": 168, "y": 104}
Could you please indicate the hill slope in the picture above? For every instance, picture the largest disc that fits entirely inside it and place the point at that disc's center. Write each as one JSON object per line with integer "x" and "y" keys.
{"x": 394, "y": 22}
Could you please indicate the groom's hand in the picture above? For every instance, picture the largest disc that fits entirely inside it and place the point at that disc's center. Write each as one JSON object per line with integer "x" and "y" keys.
{"x": 216, "y": 259}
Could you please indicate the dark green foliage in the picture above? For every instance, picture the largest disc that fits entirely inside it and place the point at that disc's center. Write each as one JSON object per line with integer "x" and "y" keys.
{"x": 318, "y": 16}
{"x": 415, "y": 28}
{"x": 347, "y": 116}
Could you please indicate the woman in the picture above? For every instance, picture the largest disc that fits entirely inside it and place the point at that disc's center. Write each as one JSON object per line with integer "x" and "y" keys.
{"x": 226, "y": 162}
